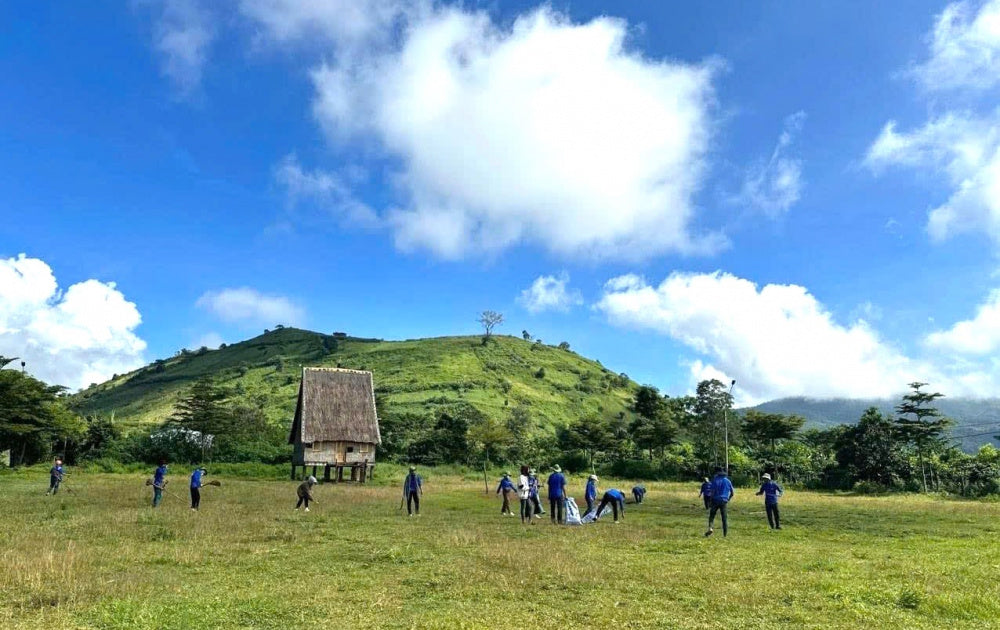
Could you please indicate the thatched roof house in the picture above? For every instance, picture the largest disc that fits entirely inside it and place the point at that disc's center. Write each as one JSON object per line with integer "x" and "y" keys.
{"x": 335, "y": 421}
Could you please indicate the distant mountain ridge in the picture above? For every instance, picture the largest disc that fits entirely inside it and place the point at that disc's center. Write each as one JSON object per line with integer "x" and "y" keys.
{"x": 976, "y": 420}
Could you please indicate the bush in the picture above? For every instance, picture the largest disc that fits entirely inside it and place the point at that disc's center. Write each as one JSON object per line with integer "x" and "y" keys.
{"x": 870, "y": 487}
{"x": 564, "y": 345}
{"x": 540, "y": 373}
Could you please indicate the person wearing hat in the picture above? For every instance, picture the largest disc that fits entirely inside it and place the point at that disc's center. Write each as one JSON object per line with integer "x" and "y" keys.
{"x": 413, "y": 487}
{"x": 771, "y": 491}
{"x": 304, "y": 492}
{"x": 590, "y": 494}
{"x": 557, "y": 495}
{"x": 706, "y": 492}
{"x": 616, "y": 499}
{"x": 55, "y": 476}
{"x": 524, "y": 494}
{"x": 159, "y": 482}
{"x": 638, "y": 493}
{"x": 533, "y": 485}
{"x": 722, "y": 493}
{"x": 507, "y": 487}
{"x": 196, "y": 487}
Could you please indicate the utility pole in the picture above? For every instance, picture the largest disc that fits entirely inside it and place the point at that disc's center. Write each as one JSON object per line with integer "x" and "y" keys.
{"x": 726, "y": 416}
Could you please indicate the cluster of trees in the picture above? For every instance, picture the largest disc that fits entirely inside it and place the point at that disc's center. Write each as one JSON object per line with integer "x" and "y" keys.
{"x": 34, "y": 419}
{"x": 686, "y": 437}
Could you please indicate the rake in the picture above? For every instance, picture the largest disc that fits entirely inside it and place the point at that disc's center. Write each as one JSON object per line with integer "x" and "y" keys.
{"x": 214, "y": 482}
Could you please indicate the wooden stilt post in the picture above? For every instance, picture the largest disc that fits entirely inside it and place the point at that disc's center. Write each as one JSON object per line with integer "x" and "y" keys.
{"x": 326, "y": 473}
{"x": 293, "y": 472}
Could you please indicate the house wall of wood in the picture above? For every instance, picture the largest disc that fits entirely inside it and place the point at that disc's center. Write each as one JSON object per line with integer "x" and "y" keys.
{"x": 321, "y": 453}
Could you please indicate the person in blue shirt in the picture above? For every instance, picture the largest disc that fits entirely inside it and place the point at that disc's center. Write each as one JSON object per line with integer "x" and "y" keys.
{"x": 533, "y": 485}
{"x": 557, "y": 495}
{"x": 159, "y": 482}
{"x": 616, "y": 499}
{"x": 722, "y": 494}
{"x": 706, "y": 493}
{"x": 639, "y": 493}
{"x": 771, "y": 491}
{"x": 196, "y": 487}
{"x": 507, "y": 487}
{"x": 413, "y": 487}
{"x": 55, "y": 477}
{"x": 590, "y": 494}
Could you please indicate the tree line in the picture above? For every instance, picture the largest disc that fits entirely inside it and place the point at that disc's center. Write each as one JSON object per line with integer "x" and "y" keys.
{"x": 659, "y": 437}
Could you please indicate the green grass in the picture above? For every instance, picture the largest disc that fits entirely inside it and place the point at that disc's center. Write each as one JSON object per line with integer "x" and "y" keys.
{"x": 101, "y": 558}
{"x": 416, "y": 375}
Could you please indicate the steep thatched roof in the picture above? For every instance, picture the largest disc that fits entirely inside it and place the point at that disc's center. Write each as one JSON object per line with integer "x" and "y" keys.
{"x": 335, "y": 405}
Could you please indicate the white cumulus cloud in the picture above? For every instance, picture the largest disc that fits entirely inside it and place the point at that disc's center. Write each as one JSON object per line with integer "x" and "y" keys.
{"x": 183, "y": 34}
{"x": 964, "y": 48}
{"x": 962, "y": 143}
{"x": 775, "y": 340}
{"x": 74, "y": 337}
{"x": 543, "y": 131}
{"x": 251, "y": 307}
{"x": 330, "y": 190}
{"x": 550, "y": 293}
{"x": 966, "y": 149}
{"x": 775, "y": 185}
{"x": 979, "y": 335}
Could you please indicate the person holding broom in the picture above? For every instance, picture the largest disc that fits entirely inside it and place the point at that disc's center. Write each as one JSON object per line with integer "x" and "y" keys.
{"x": 159, "y": 482}
{"x": 56, "y": 474}
{"x": 305, "y": 492}
{"x": 413, "y": 487}
{"x": 196, "y": 488}
{"x": 507, "y": 487}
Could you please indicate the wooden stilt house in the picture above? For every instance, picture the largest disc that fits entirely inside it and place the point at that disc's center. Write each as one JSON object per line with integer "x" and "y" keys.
{"x": 335, "y": 424}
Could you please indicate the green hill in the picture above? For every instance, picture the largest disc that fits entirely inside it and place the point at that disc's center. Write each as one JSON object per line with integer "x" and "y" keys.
{"x": 414, "y": 375}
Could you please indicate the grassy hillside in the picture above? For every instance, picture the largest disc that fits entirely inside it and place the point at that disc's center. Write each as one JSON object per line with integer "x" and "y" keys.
{"x": 412, "y": 375}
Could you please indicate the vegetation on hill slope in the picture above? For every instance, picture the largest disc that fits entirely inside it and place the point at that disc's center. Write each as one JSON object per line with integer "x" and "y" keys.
{"x": 415, "y": 375}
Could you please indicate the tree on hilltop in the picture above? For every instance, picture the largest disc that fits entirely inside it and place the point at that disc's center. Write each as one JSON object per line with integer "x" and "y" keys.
{"x": 490, "y": 320}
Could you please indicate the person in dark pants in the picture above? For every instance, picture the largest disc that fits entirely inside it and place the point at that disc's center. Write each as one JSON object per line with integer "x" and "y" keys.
{"x": 590, "y": 494}
{"x": 722, "y": 493}
{"x": 616, "y": 499}
{"x": 524, "y": 494}
{"x": 196, "y": 487}
{"x": 706, "y": 493}
{"x": 159, "y": 482}
{"x": 557, "y": 495}
{"x": 507, "y": 488}
{"x": 533, "y": 485}
{"x": 413, "y": 487}
{"x": 771, "y": 491}
{"x": 639, "y": 493}
{"x": 55, "y": 477}
{"x": 304, "y": 492}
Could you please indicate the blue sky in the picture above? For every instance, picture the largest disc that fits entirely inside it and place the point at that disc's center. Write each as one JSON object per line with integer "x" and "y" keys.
{"x": 692, "y": 191}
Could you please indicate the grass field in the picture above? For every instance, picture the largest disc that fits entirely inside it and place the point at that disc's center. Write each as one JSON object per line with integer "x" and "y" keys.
{"x": 102, "y": 558}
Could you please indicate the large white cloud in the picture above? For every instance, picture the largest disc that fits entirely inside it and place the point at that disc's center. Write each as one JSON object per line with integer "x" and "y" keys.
{"x": 966, "y": 149}
{"x": 76, "y": 337}
{"x": 979, "y": 335}
{"x": 964, "y": 48}
{"x": 962, "y": 143}
{"x": 550, "y": 293}
{"x": 251, "y": 307}
{"x": 777, "y": 340}
{"x": 545, "y": 131}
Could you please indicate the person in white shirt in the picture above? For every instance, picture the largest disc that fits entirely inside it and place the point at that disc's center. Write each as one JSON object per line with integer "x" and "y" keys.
{"x": 524, "y": 492}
